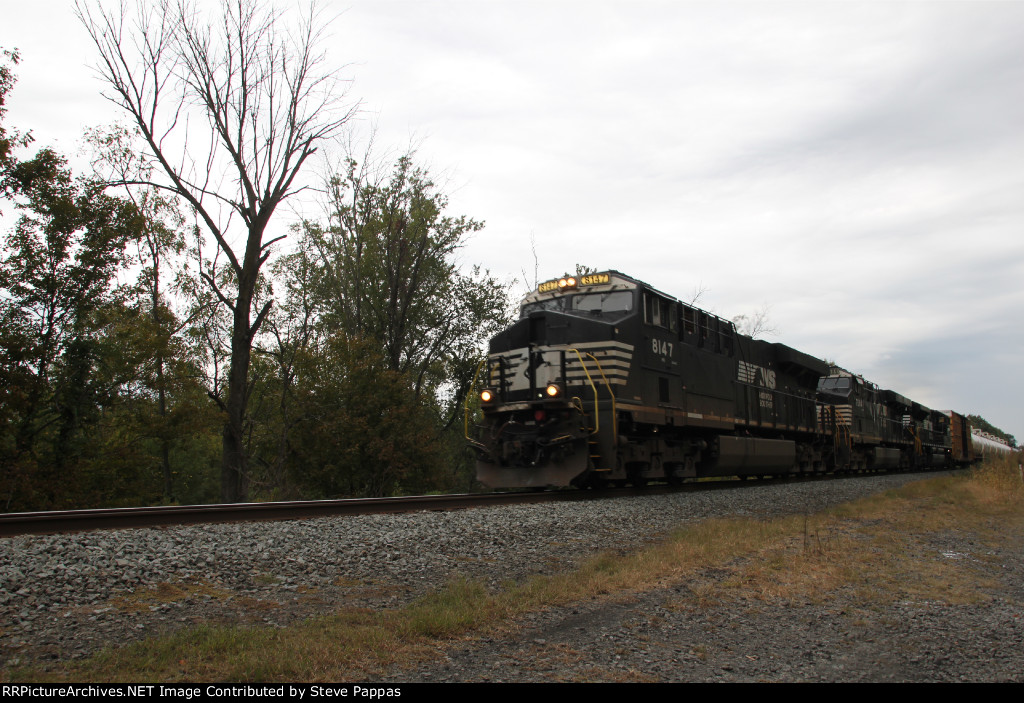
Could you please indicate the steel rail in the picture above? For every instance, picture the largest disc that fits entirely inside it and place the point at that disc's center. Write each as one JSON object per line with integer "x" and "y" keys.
{"x": 12, "y": 524}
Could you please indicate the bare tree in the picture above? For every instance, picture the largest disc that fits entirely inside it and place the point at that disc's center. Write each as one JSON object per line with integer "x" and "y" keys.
{"x": 756, "y": 325}
{"x": 230, "y": 109}
{"x": 536, "y": 265}
{"x": 698, "y": 292}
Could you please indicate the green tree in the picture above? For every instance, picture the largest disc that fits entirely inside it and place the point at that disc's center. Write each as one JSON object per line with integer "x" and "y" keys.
{"x": 159, "y": 253}
{"x": 980, "y": 423}
{"x": 56, "y": 274}
{"x": 377, "y": 336}
{"x": 362, "y": 431}
{"x": 85, "y": 362}
{"x": 390, "y": 275}
{"x": 157, "y": 423}
{"x": 292, "y": 338}
{"x": 9, "y": 140}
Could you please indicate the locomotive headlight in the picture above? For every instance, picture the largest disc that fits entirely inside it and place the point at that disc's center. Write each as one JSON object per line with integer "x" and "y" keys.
{"x": 486, "y": 395}
{"x": 553, "y": 390}
{"x": 568, "y": 282}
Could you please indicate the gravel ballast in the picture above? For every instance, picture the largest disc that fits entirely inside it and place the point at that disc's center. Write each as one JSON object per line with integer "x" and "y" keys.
{"x": 67, "y": 596}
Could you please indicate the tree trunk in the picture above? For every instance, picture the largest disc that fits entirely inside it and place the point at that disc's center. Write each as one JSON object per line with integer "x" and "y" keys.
{"x": 234, "y": 472}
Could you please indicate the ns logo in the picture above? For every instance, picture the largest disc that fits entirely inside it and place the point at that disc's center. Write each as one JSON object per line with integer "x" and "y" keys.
{"x": 756, "y": 375}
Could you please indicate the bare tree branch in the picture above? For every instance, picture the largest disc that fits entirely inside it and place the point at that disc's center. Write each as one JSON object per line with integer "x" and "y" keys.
{"x": 756, "y": 325}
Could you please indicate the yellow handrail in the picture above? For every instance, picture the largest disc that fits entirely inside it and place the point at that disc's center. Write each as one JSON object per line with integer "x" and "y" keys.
{"x": 583, "y": 364}
{"x": 593, "y": 387}
{"x": 918, "y": 449}
{"x": 615, "y": 429}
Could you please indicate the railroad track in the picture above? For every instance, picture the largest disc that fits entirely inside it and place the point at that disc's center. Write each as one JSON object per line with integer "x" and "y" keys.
{"x": 57, "y": 521}
{"x": 164, "y": 515}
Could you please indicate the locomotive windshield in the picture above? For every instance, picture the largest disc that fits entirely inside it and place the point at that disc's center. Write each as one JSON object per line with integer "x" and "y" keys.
{"x": 612, "y": 306}
{"x": 549, "y": 304}
{"x": 834, "y": 385}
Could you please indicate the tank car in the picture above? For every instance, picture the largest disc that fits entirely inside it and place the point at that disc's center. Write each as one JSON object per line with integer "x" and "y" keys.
{"x": 986, "y": 445}
{"x": 605, "y": 379}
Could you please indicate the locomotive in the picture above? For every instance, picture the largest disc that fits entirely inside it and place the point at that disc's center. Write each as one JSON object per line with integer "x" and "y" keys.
{"x": 604, "y": 379}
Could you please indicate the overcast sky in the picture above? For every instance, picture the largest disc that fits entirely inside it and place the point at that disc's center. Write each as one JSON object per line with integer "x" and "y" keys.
{"x": 858, "y": 167}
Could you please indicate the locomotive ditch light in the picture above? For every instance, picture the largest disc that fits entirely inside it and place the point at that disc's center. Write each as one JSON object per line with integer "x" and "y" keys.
{"x": 487, "y": 395}
{"x": 553, "y": 390}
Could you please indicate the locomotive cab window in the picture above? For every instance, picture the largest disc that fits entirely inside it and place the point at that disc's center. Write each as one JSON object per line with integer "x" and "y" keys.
{"x": 549, "y": 304}
{"x": 612, "y": 305}
{"x": 833, "y": 383}
{"x": 659, "y": 312}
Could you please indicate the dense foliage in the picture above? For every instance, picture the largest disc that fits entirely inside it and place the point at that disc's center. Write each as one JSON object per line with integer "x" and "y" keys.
{"x": 980, "y": 423}
{"x": 115, "y": 342}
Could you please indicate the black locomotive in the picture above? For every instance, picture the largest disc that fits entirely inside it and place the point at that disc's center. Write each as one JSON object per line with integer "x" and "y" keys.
{"x": 605, "y": 379}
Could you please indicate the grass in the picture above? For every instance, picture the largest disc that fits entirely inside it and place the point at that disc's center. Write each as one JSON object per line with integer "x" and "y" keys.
{"x": 147, "y": 598}
{"x": 876, "y": 550}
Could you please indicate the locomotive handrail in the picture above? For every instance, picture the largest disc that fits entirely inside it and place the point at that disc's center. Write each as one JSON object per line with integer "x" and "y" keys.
{"x": 586, "y": 372}
{"x": 841, "y": 432}
{"x": 611, "y": 393}
{"x": 844, "y": 436}
{"x": 615, "y": 428}
{"x": 918, "y": 448}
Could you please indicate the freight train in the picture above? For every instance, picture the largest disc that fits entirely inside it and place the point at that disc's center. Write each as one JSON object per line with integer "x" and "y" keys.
{"x": 604, "y": 379}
